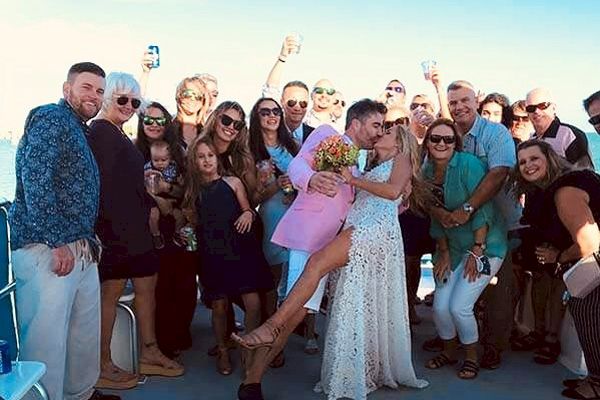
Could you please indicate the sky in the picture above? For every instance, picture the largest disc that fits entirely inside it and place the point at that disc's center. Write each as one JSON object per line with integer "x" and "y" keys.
{"x": 503, "y": 46}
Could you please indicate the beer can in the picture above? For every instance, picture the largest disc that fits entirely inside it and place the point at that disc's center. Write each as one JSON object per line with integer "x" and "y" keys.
{"x": 190, "y": 238}
{"x": 5, "y": 365}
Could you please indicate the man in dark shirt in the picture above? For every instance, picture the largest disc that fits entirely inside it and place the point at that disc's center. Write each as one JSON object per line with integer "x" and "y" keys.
{"x": 54, "y": 250}
{"x": 592, "y": 107}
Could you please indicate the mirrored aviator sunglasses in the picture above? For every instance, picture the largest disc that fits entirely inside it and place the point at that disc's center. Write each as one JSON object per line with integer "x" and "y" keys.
{"x": 135, "y": 103}
{"x": 292, "y": 103}
{"x": 160, "y": 121}
{"x": 321, "y": 90}
{"x": 226, "y": 120}
{"x": 191, "y": 94}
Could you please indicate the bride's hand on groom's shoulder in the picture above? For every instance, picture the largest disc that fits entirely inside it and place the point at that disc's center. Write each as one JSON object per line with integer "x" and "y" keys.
{"x": 325, "y": 182}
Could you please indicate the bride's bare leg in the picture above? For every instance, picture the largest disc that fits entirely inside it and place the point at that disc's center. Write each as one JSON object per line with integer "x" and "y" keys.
{"x": 334, "y": 255}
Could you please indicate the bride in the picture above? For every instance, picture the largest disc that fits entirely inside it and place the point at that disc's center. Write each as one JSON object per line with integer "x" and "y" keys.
{"x": 367, "y": 344}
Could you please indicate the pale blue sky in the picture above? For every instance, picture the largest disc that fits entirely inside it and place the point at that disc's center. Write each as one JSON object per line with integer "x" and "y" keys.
{"x": 504, "y": 46}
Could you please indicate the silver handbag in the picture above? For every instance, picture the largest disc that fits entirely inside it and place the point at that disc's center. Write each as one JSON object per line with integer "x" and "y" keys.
{"x": 583, "y": 277}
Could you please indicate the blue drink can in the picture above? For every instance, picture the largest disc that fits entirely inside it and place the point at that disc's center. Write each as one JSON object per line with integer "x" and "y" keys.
{"x": 5, "y": 365}
{"x": 155, "y": 51}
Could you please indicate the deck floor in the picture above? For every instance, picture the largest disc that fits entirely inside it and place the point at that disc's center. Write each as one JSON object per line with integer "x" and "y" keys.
{"x": 518, "y": 377}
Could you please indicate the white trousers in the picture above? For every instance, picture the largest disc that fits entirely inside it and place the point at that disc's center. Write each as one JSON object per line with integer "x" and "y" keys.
{"x": 59, "y": 320}
{"x": 298, "y": 260}
{"x": 454, "y": 301}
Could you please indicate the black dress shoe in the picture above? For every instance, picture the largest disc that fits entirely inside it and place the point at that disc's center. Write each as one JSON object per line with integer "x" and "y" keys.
{"x": 250, "y": 391}
{"x": 98, "y": 395}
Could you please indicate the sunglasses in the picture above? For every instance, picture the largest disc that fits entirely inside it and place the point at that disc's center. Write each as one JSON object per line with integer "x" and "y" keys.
{"x": 541, "y": 106}
{"x": 520, "y": 118}
{"x": 595, "y": 120}
{"x": 335, "y": 103}
{"x": 292, "y": 103}
{"x": 266, "y": 112}
{"x": 190, "y": 94}
{"x": 135, "y": 103}
{"x": 400, "y": 121}
{"x": 414, "y": 106}
{"x": 321, "y": 90}
{"x": 439, "y": 138}
{"x": 226, "y": 120}
{"x": 160, "y": 121}
{"x": 397, "y": 89}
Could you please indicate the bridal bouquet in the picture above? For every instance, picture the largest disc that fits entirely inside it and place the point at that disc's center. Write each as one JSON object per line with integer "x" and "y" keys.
{"x": 333, "y": 154}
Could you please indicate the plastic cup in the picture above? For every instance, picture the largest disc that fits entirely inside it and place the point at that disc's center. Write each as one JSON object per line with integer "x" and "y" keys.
{"x": 427, "y": 66}
{"x": 152, "y": 183}
{"x": 298, "y": 38}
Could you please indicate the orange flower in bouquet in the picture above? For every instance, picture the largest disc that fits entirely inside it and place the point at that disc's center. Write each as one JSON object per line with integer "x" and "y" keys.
{"x": 333, "y": 154}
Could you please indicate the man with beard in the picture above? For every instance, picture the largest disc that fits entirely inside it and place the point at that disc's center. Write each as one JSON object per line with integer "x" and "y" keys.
{"x": 54, "y": 249}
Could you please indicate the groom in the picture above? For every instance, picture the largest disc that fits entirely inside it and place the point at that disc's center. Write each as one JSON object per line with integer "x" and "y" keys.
{"x": 314, "y": 219}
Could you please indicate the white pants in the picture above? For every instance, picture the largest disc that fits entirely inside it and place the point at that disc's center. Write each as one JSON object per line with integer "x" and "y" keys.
{"x": 454, "y": 300}
{"x": 59, "y": 320}
{"x": 298, "y": 260}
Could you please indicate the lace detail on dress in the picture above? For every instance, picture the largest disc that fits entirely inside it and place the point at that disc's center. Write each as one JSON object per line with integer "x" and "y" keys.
{"x": 370, "y": 294}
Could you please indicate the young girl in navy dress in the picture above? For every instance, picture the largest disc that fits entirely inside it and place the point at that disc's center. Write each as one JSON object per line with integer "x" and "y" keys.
{"x": 232, "y": 262}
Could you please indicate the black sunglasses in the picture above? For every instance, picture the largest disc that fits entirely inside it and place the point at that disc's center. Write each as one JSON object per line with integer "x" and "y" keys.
{"x": 226, "y": 120}
{"x": 292, "y": 103}
{"x": 266, "y": 112}
{"x": 541, "y": 106}
{"x": 321, "y": 90}
{"x": 160, "y": 121}
{"x": 439, "y": 138}
{"x": 135, "y": 103}
{"x": 397, "y": 89}
{"x": 520, "y": 118}
{"x": 335, "y": 103}
{"x": 414, "y": 106}
{"x": 595, "y": 120}
{"x": 399, "y": 121}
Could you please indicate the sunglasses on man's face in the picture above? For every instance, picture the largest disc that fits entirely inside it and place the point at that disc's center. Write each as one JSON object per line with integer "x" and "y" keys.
{"x": 266, "y": 112}
{"x": 135, "y": 103}
{"x": 160, "y": 121}
{"x": 595, "y": 120}
{"x": 438, "y": 138}
{"x": 414, "y": 106}
{"x": 520, "y": 118}
{"x": 292, "y": 103}
{"x": 226, "y": 120}
{"x": 399, "y": 121}
{"x": 321, "y": 90}
{"x": 541, "y": 106}
{"x": 190, "y": 94}
{"x": 335, "y": 103}
{"x": 397, "y": 89}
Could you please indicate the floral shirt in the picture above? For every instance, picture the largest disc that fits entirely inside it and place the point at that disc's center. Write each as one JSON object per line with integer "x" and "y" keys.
{"x": 57, "y": 193}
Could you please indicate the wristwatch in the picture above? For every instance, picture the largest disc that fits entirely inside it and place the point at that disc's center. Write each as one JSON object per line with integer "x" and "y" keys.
{"x": 467, "y": 207}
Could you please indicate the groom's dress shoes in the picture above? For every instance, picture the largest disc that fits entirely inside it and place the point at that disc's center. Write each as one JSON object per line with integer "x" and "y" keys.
{"x": 250, "y": 391}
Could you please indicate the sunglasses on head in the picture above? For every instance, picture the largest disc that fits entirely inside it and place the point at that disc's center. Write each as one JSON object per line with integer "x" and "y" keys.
{"x": 335, "y": 103}
{"x": 226, "y": 120}
{"x": 160, "y": 121}
{"x": 414, "y": 106}
{"x": 321, "y": 90}
{"x": 595, "y": 120}
{"x": 135, "y": 103}
{"x": 292, "y": 103}
{"x": 541, "y": 106}
{"x": 399, "y": 121}
{"x": 520, "y": 118}
{"x": 191, "y": 94}
{"x": 266, "y": 112}
{"x": 439, "y": 138}
{"x": 397, "y": 89}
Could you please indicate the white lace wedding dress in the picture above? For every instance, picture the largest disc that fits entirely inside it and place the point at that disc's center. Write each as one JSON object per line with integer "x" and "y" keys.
{"x": 367, "y": 344}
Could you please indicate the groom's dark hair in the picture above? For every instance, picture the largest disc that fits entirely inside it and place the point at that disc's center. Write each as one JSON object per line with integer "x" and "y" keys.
{"x": 363, "y": 109}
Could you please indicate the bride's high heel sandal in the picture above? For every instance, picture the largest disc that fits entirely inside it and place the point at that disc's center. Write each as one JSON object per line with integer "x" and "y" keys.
{"x": 254, "y": 340}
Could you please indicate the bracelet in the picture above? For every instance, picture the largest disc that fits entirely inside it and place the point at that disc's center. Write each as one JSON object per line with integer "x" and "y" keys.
{"x": 280, "y": 60}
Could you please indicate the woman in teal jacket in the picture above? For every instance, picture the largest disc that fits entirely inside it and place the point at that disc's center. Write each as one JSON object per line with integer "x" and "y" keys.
{"x": 467, "y": 256}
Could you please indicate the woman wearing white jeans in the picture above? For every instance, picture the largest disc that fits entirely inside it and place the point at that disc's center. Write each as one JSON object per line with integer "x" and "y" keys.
{"x": 467, "y": 255}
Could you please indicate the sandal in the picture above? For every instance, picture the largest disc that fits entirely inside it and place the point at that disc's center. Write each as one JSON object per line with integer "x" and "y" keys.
{"x": 469, "y": 370}
{"x": 439, "y": 361}
{"x": 588, "y": 390}
{"x": 529, "y": 342}
{"x": 223, "y": 362}
{"x": 117, "y": 379}
{"x": 161, "y": 366}
{"x": 547, "y": 354}
{"x": 254, "y": 340}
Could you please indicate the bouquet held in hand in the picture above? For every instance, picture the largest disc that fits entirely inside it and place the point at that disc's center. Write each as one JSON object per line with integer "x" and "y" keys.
{"x": 333, "y": 154}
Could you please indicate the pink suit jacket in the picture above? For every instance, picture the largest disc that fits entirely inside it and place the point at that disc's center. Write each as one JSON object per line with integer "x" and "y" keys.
{"x": 313, "y": 219}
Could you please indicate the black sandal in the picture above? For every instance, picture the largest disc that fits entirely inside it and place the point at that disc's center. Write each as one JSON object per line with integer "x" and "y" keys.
{"x": 575, "y": 393}
{"x": 573, "y": 383}
{"x": 439, "y": 361}
{"x": 469, "y": 367}
{"x": 547, "y": 354}
{"x": 529, "y": 342}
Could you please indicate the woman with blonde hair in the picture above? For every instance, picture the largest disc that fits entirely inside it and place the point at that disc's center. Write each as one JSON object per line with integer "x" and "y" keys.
{"x": 193, "y": 102}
